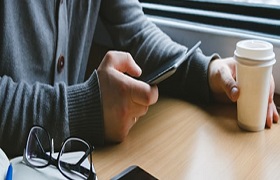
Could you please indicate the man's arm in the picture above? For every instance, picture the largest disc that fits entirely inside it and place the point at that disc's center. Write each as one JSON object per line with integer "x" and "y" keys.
{"x": 132, "y": 31}
{"x": 62, "y": 110}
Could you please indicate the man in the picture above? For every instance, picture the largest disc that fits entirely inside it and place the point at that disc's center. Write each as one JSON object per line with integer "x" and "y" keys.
{"x": 44, "y": 51}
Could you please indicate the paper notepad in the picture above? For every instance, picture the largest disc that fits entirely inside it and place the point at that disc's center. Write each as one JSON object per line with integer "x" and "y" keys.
{"x": 21, "y": 171}
{"x": 4, "y": 164}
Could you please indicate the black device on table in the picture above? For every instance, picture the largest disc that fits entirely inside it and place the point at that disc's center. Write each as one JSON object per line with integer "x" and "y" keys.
{"x": 134, "y": 173}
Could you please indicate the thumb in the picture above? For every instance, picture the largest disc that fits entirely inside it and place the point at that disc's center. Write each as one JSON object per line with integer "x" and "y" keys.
{"x": 229, "y": 86}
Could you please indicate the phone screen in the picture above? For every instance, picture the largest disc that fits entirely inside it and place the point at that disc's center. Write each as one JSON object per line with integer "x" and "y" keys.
{"x": 135, "y": 173}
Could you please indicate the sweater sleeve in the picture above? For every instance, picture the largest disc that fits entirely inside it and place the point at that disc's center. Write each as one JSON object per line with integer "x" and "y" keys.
{"x": 24, "y": 105}
{"x": 191, "y": 80}
{"x": 63, "y": 110}
{"x": 85, "y": 111}
{"x": 132, "y": 31}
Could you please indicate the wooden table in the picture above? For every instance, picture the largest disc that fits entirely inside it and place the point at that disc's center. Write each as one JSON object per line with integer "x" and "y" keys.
{"x": 177, "y": 140}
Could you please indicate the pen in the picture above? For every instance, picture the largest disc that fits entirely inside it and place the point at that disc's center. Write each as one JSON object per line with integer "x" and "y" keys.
{"x": 9, "y": 175}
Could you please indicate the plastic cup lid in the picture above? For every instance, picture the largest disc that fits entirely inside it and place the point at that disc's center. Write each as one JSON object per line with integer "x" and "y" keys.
{"x": 254, "y": 50}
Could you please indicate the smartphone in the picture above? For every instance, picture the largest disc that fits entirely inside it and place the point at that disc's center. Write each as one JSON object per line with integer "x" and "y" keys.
{"x": 168, "y": 68}
{"x": 134, "y": 172}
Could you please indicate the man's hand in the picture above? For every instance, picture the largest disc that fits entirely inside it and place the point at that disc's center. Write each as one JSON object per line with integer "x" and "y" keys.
{"x": 222, "y": 82}
{"x": 124, "y": 98}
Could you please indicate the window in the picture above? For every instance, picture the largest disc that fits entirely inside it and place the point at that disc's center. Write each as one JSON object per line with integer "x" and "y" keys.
{"x": 258, "y": 16}
{"x": 265, "y": 2}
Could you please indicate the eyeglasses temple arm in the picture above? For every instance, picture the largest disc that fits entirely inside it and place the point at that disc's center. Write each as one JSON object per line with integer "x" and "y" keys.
{"x": 39, "y": 143}
{"x": 77, "y": 168}
{"x": 84, "y": 156}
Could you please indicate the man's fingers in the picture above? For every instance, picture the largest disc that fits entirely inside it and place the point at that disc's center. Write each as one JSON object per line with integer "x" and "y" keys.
{"x": 144, "y": 94}
{"x": 275, "y": 114}
{"x": 269, "y": 115}
{"x": 123, "y": 62}
{"x": 272, "y": 113}
{"x": 271, "y": 90}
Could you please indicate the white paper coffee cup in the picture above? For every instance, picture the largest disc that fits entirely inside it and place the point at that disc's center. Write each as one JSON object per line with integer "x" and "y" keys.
{"x": 255, "y": 59}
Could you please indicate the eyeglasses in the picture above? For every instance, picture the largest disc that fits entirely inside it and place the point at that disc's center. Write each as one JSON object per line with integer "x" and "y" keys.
{"x": 73, "y": 156}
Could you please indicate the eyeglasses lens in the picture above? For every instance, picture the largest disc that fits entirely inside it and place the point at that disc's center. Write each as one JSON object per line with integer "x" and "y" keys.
{"x": 38, "y": 148}
{"x": 72, "y": 163}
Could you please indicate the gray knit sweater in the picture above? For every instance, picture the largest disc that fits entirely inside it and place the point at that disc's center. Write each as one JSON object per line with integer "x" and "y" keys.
{"x": 36, "y": 87}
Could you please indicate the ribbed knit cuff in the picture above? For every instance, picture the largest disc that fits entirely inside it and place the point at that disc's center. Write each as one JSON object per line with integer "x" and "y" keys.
{"x": 197, "y": 85}
{"x": 85, "y": 111}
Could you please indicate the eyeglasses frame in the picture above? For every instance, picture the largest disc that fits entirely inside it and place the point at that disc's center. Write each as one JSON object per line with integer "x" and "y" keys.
{"x": 54, "y": 162}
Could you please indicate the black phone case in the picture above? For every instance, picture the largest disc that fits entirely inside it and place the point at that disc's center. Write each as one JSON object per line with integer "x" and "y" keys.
{"x": 134, "y": 172}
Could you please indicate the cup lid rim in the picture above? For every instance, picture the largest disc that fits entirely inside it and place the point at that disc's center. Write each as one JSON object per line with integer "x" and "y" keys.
{"x": 268, "y": 58}
{"x": 254, "y": 50}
